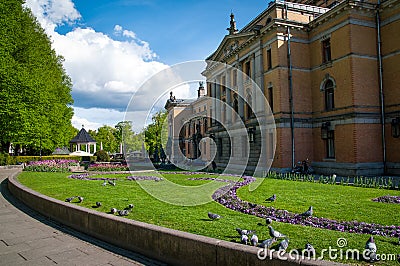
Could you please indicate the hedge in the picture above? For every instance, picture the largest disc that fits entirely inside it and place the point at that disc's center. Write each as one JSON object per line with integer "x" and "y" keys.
{"x": 6, "y": 159}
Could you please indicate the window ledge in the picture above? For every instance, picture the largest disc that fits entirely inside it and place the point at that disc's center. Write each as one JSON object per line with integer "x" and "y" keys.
{"x": 326, "y": 65}
{"x": 329, "y": 159}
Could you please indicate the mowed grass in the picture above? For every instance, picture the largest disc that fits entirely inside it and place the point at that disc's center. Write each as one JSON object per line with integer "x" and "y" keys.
{"x": 334, "y": 202}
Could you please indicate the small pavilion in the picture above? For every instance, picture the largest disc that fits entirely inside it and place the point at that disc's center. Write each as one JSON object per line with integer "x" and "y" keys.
{"x": 83, "y": 139}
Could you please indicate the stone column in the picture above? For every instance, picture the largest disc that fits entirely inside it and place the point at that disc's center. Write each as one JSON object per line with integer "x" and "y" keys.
{"x": 218, "y": 96}
{"x": 240, "y": 90}
{"x": 254, "y": 95}
{"x": 228, "y": 114}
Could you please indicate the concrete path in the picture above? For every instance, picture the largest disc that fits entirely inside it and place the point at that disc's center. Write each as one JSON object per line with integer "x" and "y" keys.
{"x": 28, "y": 238}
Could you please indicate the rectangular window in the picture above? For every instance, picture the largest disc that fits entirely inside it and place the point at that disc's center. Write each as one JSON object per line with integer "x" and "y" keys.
{"x": 220, "y": 149}
{"x": 326, "y": 50}
{"x": 271, "y": 98}
{"x": 234, "y": 77}
{"x": 329, "y": 99}
{"x": 330, "y": 145}
{"x": 269, "y": 59}
{"x": 247, "y": 69}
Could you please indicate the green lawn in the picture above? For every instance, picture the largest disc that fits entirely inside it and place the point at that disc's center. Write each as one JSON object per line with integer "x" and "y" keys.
{"x": 329, "y": 201}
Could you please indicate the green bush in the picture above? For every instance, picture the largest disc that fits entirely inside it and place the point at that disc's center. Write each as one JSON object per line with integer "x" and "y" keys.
{"x": 102, "y": 156}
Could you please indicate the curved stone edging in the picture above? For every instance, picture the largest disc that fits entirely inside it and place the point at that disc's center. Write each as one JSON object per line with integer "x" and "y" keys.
{"x": 168, "y": 245}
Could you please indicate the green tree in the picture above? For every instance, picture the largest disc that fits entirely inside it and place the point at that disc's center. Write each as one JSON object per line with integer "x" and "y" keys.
{"x": 35, "y": 91}
{"x": 156, "y": 133}
{"x": 105, "y": 135}
{"x": 125, "y": 134}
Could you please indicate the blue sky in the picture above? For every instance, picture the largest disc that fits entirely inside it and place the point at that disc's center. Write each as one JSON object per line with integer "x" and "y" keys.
{"x": 112, "y": 47}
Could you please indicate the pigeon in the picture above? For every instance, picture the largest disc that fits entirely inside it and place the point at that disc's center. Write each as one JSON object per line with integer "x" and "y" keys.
{"x": 123, "y": 212}
{"x": 267, "y": 243}
{"x": 275, "y": 234}
{"x": 112, "y": 183}
{"x": 80, "y": 199}
{"x": 272, "y": 198}
{"x": 244, "y": 239}
{"x": 309, "y": 250}
{"x": 252, "y": 205}
{"x": 113, "y": 210}
{"x": 213, "y": 216}
{"x": 104, "y": 183}
{"x": 130, "y": 206}
{"x": 308, "y": 213}
{"x": 268, "y": 220}
{"x": 244, "y": 232}
{"x": 370, "y": 247}
{"x": 69, "y": 199}
{"x": 98, "y": 204}
{"x": 284, "y": 244}
{"x": 254, "y": 240}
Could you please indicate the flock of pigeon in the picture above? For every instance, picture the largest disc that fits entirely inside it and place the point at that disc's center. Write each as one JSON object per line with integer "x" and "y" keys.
{"x": 98, "y": 204}
{"x": 308, "y": 251}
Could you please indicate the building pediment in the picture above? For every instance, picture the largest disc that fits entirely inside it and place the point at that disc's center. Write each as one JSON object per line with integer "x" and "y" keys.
{"x": 229, "y": 44}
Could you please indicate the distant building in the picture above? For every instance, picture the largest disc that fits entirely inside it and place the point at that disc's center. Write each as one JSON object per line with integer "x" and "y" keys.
{"x": 187, "y": 126}
{"x": 324, "y": 67}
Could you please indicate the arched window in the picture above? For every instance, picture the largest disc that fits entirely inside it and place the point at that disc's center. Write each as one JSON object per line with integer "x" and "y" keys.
{"x": 329, "y": 95}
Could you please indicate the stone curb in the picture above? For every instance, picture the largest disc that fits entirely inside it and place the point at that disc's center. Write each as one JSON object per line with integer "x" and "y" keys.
{"x": 171, "y": 246}
{"x": 12, "y": 166}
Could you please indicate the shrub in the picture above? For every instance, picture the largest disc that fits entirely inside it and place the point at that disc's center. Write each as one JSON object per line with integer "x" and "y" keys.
{"x": 102, "y": 156}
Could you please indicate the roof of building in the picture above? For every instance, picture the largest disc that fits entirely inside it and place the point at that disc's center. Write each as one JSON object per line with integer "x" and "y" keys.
{"x": 82, "y": 137}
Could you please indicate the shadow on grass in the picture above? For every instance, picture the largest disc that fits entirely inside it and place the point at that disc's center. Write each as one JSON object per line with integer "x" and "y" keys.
{"x": 6, "y": 194}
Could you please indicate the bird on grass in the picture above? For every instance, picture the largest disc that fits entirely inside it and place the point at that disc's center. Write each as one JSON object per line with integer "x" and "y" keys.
{"x": 309, "y": 250}
{"x": 113, "y": 210}
{"x": 98, "y": 204}
{"x": 267, "y": 243}
{"x": 69, "y": 199}
{"x": 244, "y": 239}
{"x": 308, "y": 213}
{"x": 284, "y": 244}
{"x": 112, "y": 183}
{"x": 274, "y": 233}
{"x": 272, "y": 198}
{"x": 371, "y": 249}
{"x": 130, "y": 206}
{"x": 214, "y": 216}
{"x": 254, "y": 240}
{"x": 123, "y": 212}
{"x": 268, "y": 220}
{"x": 80, "y": 198}
{"x": 104, "y": 183}
{"x": 244, "y": 231}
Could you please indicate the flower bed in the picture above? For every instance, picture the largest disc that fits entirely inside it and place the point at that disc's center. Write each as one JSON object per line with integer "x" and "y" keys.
{"x": 388, "y": 199}
{"x": 227, "y": 197}
{"x": 50, "y": 165}
{"x": 86, "y": 177}
{"x": 106, "y": 167}
{"x": 138, "y": 178}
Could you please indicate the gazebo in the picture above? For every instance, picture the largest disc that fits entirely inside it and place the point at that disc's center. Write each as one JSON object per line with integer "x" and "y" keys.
{"x": 82, "y": 138}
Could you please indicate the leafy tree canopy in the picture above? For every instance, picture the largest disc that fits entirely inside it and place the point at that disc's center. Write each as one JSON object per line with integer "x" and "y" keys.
{"x": 35, "y": 91}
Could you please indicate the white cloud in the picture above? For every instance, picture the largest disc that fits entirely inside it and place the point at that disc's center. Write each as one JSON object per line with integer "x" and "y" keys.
{"x": 105, "y": 72}
{"x": 93, "y": 118}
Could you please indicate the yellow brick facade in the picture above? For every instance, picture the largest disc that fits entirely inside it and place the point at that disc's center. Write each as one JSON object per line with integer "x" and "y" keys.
{"x": 334, "y": 50}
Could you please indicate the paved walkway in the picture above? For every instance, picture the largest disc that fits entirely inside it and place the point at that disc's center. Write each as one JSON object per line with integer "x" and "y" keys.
{"x": 28, "y": 238}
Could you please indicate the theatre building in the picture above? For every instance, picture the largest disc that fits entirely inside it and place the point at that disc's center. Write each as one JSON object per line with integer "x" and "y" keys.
{"x": 329, "y": 71}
